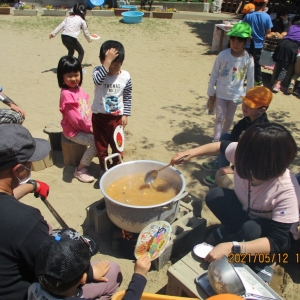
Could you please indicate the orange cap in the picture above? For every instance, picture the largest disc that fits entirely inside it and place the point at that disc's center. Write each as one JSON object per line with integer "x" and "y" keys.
{"x": 248, "y": 8}
{"x": 225, "y": 297}
{"x": 257, "y": 97}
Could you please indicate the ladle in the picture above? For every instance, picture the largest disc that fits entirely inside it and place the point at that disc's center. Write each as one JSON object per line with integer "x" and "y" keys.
{"x": 152, "y": 175}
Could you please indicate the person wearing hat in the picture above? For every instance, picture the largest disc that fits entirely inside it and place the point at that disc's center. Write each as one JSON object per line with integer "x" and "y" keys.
{"x": 22, "y": 227}
{"x": 254, "y": 106}
{"x": 261, "y": 25}
{"x": 248, "y": 8}
{"x": 258, "y": 214}
{"x": 64, "y": 271}
{"x": 226, "y": 84}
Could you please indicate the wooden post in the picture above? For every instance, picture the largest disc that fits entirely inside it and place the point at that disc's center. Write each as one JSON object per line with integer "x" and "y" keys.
{"x": 240, "y": 6}
{"x": 72, "y": 152}
{"x": 226, "y": 5}
{"x": 231, "y": 6}
{"x": 54, "y": 131}
{"x": 48, "y": 160}
{"x": 221, "y": 40}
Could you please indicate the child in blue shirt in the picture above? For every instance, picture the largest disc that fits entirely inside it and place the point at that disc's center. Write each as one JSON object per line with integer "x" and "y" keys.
{"x": 261, "y": 25}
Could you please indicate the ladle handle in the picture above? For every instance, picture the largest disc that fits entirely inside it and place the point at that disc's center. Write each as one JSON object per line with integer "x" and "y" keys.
{"x": 163, "y": 167}
{"x": 177, "y": 161}
{"x": 181, "y": 158}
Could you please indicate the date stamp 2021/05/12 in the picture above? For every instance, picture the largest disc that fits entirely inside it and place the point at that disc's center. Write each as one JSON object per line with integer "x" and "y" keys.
{"x": 263, "y": 258}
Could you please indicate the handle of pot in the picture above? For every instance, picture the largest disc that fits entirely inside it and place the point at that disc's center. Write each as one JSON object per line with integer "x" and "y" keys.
{"x": 110, "y": 157}
{"x": 170, "y": 205}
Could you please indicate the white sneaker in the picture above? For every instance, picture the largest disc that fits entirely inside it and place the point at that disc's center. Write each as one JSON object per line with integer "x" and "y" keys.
{"x": 83, "y": 175}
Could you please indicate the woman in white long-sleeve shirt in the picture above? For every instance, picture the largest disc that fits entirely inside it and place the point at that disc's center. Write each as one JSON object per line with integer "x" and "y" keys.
{"x": 72, "y": 26}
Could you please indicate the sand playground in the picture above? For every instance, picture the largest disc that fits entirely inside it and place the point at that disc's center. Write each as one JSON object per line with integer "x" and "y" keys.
{"x": 169, "y": 62}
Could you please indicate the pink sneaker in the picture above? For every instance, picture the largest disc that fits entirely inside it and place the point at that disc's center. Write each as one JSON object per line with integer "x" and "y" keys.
{"x": 83, "y": 175}
{"x": 276, "y": 88}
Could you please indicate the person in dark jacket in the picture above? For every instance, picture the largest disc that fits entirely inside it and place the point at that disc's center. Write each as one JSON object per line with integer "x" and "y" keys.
{"x": 254, "y": 106}
{"x": 22, "y": 227}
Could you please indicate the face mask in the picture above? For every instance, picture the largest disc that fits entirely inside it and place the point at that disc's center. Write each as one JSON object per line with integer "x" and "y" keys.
{"x": 285, "y": 21}
{"x": 25, "y": 180}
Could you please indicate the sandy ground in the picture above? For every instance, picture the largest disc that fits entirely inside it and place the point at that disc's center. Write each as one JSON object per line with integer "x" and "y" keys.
{"x": 169, "y": 62}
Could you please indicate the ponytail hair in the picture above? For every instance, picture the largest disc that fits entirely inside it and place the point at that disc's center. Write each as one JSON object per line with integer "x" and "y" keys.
{"x": 79, "y": 10}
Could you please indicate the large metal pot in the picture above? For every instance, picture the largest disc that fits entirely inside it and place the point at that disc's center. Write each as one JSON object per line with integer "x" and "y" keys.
{"x": 223, "y": 277}
{"x": 135, "y": 218}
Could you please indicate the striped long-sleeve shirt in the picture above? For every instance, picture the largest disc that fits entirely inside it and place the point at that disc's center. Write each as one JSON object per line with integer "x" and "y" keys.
{"x": 113, "y": 94}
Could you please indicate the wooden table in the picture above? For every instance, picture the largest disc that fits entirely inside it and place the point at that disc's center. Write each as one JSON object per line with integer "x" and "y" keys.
{"x": 181, "y": 277}
{"x": 220, "y": 40}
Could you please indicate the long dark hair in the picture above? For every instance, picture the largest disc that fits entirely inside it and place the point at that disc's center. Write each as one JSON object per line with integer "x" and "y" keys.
{"x": 68, "y": 64}
{"x": 79, "y": 10}
{"x": 264, "y": 152}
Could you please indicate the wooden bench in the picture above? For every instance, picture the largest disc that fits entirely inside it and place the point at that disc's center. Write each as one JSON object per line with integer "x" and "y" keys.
{"x": 72, "y": 152}
{"x": 181, "y": 277}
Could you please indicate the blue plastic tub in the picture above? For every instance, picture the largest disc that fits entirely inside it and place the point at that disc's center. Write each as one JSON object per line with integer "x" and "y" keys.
{"x": 93, "y": 3}
{"x": 131, "y": 7}
{"x": 132, "y": 17}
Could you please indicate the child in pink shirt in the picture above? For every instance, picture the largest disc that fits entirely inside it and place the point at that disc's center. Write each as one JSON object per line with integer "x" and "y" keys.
{"x": 76, "y": 113}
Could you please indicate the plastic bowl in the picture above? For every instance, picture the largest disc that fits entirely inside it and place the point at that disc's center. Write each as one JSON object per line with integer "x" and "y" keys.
{"x": 93, "y": 3}
{"x": 131, "y": 7}
{"x": 132, "y": 17}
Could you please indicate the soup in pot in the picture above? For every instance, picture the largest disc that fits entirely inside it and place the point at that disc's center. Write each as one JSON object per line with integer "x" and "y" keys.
{"x": 132, "y": 190}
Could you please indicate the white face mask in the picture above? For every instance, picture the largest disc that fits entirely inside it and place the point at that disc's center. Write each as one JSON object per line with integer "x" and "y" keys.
{"x": 285, "y": 21}
{"x": 25, "y": 180}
